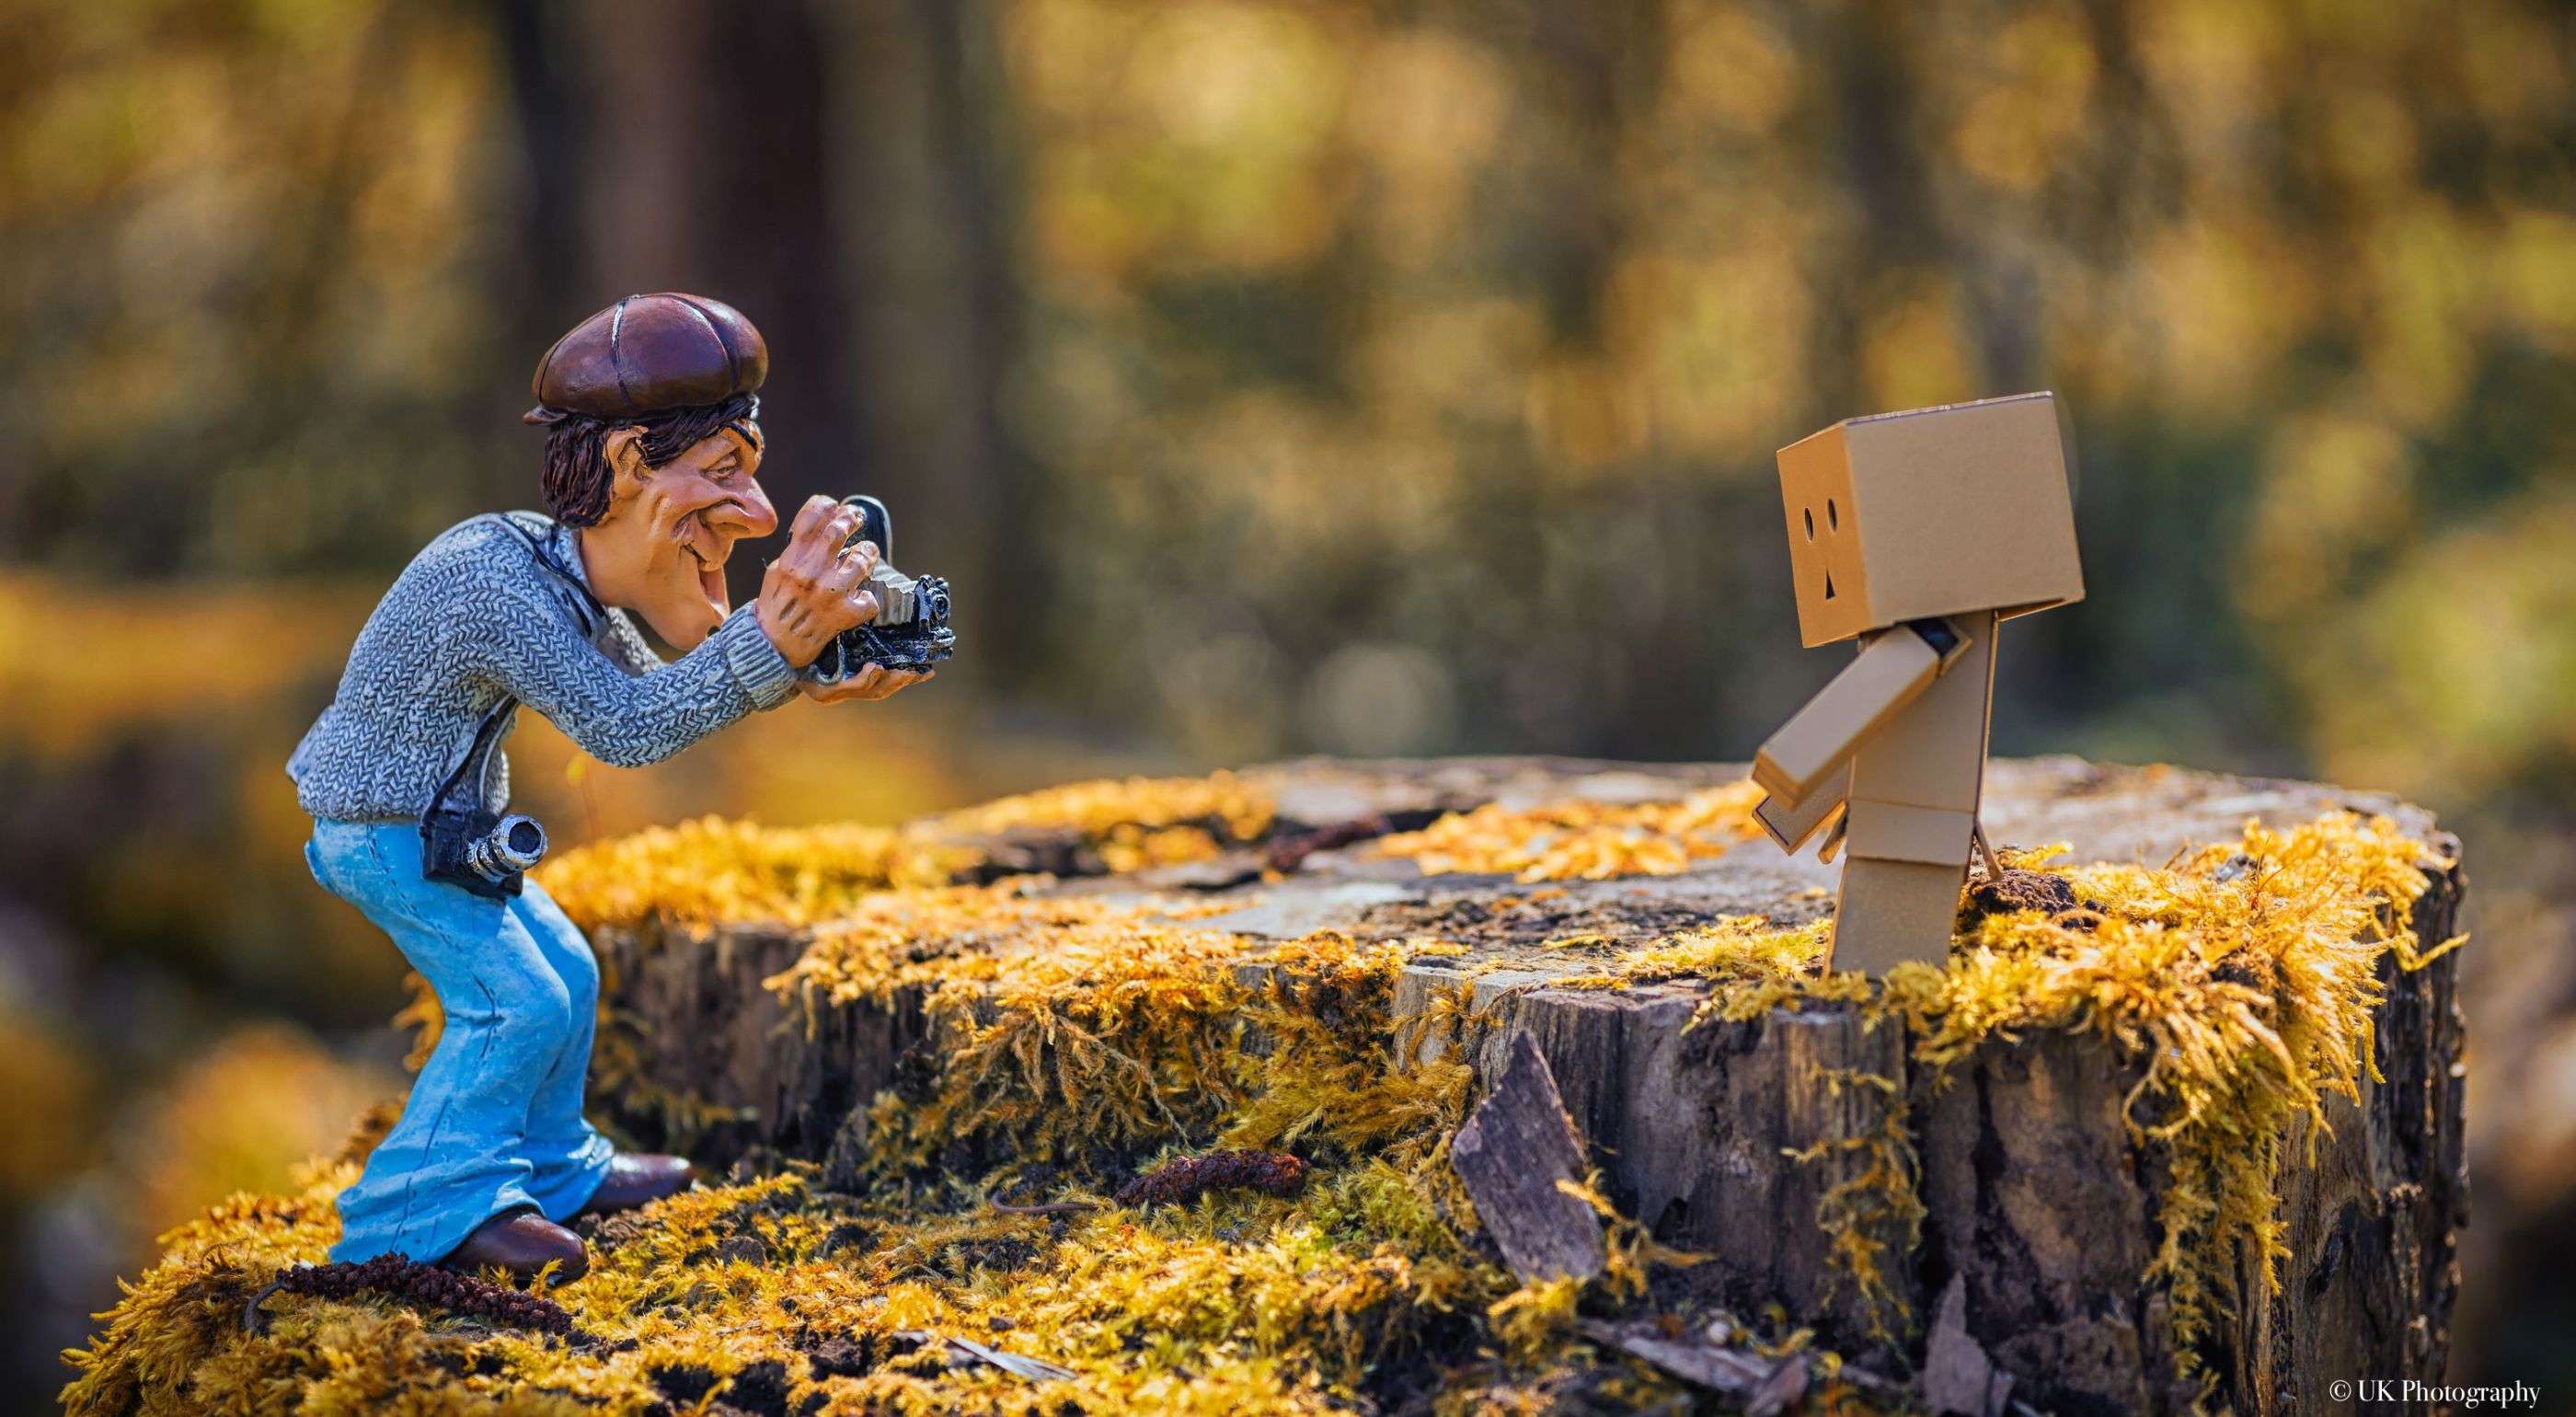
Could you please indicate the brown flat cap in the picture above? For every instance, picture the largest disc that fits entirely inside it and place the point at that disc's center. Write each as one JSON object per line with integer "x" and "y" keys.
{"x": 647, "y": 353}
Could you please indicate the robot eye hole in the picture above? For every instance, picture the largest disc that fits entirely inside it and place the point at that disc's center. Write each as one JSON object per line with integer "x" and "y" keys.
{"x": 1833, "y": 518}
{"x": 1810, "y": 514}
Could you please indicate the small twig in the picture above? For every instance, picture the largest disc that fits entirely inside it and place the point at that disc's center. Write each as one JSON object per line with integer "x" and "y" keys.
{"x": 1051, "y": 1208}
{"x": 253, "y": 1320}
{"x": 1290, "y": 852}
{"x": 1985, "y": 848}
{"x": 419, "y": 1285}
{"x": 968, "y": 1350}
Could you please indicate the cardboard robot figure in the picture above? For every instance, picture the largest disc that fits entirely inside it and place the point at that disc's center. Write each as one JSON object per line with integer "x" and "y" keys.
{"x": 1915, "y": 534}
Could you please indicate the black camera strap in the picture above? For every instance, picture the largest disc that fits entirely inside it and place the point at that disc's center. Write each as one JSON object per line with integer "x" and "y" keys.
{"x": 457, "y": 813}
{"x": 594, "y": 612}
{"x": 460, "y": 797}
{"x": 471, "y": 774}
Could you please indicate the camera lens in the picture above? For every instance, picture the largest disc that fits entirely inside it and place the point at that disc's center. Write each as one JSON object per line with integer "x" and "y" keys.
{"x": 515, "y": 845}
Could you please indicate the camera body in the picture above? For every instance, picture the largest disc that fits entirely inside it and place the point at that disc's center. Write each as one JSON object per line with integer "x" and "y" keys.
{"x": 911, "y": 629}
{"x": 487, "y": 853}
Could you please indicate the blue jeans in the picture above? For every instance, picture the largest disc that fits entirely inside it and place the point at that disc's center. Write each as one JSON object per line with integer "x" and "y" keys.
{"x": 494, "y": 1122}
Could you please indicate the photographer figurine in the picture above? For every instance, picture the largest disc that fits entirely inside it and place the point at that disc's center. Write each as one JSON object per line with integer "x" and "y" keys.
{"x": 652, "y": 449}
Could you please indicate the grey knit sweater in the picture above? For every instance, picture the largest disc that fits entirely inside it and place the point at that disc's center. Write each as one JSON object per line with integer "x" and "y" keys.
{"x": 477, "y": 617}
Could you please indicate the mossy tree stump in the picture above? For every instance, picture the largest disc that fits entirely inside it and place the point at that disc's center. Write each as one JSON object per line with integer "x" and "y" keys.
{"x": 1772, "y": 1145}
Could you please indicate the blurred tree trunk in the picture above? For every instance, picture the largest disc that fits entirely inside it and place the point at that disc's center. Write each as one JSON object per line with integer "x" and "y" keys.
{"x": 928, "y": 195}
{"x": 535, "y": 50}
{"x": 1591, "y": 73}
{"x": 708, "y": 171}
{"x": 1864, "y": 103}
{"x": 838, "y": 173}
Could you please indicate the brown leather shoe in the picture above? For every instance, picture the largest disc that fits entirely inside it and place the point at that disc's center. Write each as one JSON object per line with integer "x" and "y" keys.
{"x": 521, "y": 1242}
{"x": 636, "y": 1178}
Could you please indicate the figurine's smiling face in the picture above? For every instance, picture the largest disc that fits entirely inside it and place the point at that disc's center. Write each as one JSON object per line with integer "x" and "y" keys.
{"x": 661, "y": 547}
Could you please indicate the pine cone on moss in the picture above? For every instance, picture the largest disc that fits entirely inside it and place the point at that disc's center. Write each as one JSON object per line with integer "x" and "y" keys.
{"x": 1187, "y": 1178}
{"x": 425, "y": 1286}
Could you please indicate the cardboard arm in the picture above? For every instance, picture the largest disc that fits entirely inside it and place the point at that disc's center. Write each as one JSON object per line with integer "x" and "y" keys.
{"x": 1892, "y": 670}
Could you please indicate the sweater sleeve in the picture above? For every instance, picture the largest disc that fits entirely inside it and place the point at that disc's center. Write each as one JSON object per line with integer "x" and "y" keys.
{"x": 620, "y": 718}
{"x": 626, "y": 646}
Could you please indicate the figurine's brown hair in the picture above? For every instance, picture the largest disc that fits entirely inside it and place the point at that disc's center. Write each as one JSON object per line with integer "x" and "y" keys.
{"x": 577, "y": 476}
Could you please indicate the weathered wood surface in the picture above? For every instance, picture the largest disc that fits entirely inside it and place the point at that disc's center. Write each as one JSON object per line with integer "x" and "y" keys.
{"x": 1516, "y": 1152}
{"x": 2034, "y": 1194}
{"x": 1958, "y": 1376}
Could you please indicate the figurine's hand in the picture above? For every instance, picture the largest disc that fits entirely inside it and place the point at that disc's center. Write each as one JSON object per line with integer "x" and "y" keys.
{"x": 816, "y": 588}
{"x": 874, "y": 681}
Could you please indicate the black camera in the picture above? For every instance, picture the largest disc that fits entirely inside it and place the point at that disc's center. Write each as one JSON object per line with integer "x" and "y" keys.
{"x": 911, "y": 629}
{"x": 485, "y": 852}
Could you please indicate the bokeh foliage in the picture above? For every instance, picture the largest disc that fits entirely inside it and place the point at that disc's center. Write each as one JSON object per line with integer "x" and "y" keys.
{"x": 1271, "y": 376}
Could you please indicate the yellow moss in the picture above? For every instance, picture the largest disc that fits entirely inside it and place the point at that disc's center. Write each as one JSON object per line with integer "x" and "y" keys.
{"x": 1251, "y": 1304}
{"x": 1535, "y": 1318}
{"x": 1074, "y": 1037}
{"x": 1628, "y": 1248}
{"x": 1136, "y": 822}
{"x": 1583, "y": 840}
{"x": 712, "y": 871}
{"x": 1114, "y": 1038}
{"x": 1238, "y": 1303}
{"x": 868, "y": 893}
{"x": 182, "y": 1317}
{"x": 881, "y": 945}
{"x": 1337, "y": 1065}
{"x": 2242, "y": 975}
{"x": 1745, "y": 951}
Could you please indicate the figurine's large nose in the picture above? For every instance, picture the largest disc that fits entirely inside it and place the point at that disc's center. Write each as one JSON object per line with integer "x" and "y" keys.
{"x": 748, "y": 512}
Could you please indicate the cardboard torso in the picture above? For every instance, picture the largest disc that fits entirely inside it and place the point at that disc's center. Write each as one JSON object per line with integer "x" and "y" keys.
{"x": 1915, "y": 785}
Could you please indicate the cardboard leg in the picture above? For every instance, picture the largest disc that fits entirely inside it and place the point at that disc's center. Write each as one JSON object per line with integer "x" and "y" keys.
{"x": 1894, "y": 911}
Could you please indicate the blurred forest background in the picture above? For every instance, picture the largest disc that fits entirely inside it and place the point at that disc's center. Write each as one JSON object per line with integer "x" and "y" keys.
{"x": 1268, "y": 376}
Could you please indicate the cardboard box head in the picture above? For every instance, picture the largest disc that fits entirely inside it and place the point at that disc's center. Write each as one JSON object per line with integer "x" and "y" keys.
{"x": 1938, "y": 511}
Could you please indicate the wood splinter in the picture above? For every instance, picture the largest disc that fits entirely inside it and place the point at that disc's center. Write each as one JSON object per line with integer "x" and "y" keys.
{"x": 1517, "y": 1155}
